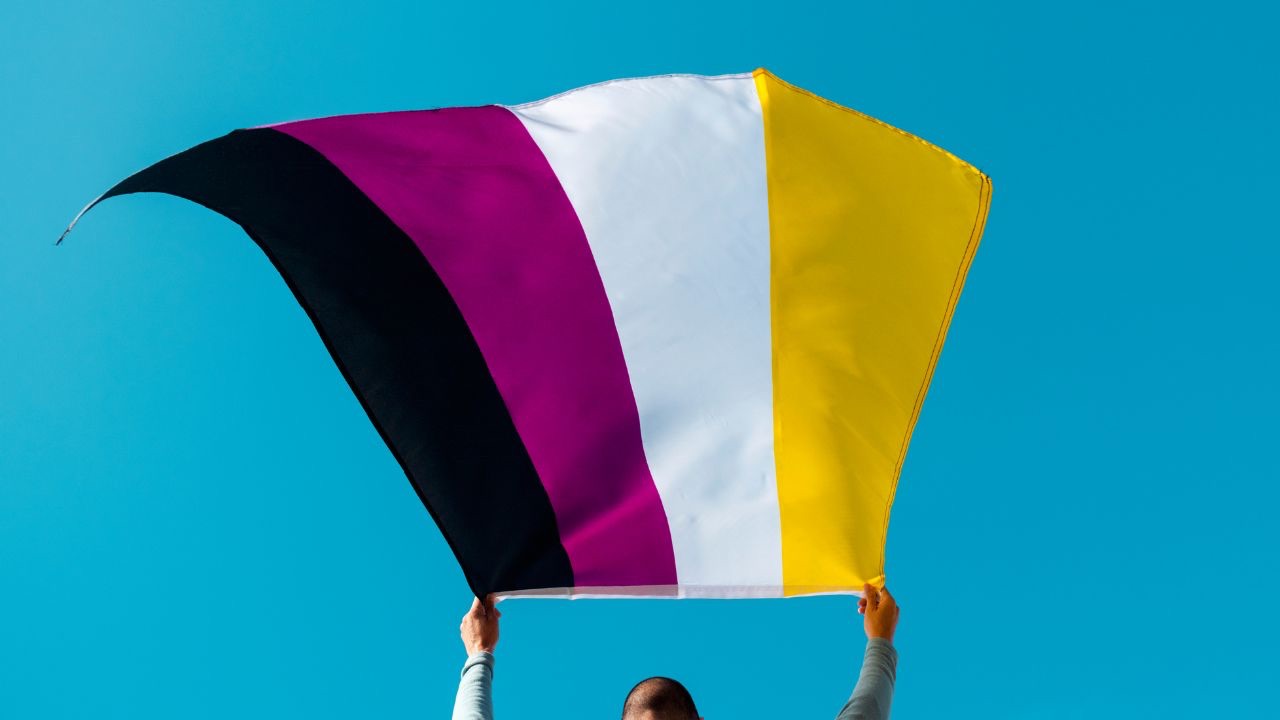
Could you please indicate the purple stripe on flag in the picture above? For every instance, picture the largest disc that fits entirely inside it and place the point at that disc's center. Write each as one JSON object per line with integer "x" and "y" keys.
{"x": 482, "y": 203}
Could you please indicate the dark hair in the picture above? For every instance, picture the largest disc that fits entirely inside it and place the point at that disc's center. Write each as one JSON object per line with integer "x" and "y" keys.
{"x": 662, "y": 696}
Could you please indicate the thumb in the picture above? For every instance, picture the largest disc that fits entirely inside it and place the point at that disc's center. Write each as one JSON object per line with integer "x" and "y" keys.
{"x": 872, "y": 596}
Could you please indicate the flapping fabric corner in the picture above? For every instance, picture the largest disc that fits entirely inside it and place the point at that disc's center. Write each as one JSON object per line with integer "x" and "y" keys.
{"x": 655, "y": 337}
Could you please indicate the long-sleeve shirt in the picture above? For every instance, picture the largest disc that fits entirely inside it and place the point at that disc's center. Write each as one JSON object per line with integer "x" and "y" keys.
{"x": 870, "y": 699}
{"x": 475, "y": 690}
{"x": 874, "y": 691}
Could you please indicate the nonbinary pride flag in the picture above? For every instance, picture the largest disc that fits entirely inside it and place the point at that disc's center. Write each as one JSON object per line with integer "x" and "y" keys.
{"x": 664, "y": 336}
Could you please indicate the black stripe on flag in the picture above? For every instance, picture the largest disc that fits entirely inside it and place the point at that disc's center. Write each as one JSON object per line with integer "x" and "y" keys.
{"x": 398, "y": 338}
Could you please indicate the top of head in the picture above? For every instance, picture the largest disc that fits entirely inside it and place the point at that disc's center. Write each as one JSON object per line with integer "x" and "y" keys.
{"x": 659, "y": 698}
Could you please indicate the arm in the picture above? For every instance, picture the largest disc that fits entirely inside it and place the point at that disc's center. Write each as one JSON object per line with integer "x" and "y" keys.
{"x": 479, "y": 636}
{"x": 874, "y": 691}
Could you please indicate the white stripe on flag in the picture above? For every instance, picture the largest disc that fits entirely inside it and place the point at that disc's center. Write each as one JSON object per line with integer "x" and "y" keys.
{"x": 668, "y": 179}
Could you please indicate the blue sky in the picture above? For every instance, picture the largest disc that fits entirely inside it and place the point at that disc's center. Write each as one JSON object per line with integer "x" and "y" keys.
{"x": 197, "y": 520}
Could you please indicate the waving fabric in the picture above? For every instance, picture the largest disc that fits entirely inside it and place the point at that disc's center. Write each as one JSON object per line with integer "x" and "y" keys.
{"x": 662, "y": 336}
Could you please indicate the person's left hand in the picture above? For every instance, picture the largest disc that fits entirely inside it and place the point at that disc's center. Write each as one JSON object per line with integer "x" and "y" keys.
{"x": 480, "y": 626}
{"x": 881, "y": 612}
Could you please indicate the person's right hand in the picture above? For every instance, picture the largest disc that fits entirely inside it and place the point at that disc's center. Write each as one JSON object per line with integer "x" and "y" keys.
{"x": 479, "y": 627}
{"x": 881, "y": 612}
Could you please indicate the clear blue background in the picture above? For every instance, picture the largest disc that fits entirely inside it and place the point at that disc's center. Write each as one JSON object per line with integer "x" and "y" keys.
{"x": 197, "y": 520}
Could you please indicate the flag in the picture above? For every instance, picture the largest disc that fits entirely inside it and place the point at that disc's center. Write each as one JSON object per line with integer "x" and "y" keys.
{"x": 664, "y": 336}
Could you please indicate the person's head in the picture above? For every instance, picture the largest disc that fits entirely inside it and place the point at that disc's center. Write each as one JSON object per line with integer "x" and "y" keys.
{"x": 659, "y": 698}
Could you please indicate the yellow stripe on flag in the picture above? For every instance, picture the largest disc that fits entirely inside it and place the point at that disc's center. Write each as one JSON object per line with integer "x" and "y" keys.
{"x": 872, "y": 231}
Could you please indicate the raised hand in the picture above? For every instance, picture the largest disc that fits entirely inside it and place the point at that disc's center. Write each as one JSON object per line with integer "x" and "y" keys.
{"x": 479, "y": 626}
{"x": 881, "y": 612}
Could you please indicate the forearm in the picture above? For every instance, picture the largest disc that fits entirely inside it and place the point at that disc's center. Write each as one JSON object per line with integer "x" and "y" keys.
{"x": 475, "y": 690}
{"x": 874, "y": 691}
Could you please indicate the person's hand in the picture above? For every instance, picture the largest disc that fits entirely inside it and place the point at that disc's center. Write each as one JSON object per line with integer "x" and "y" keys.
{"x": 480, "y": 626}
{"x": 881, "y": 612}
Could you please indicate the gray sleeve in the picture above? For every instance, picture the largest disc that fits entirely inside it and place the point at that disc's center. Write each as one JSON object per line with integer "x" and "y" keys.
{"x": 475, "y": 690}
{"x": 874, "y": 691}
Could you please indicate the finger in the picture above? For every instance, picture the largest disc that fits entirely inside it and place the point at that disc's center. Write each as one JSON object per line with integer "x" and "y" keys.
{"x": 886, "y": 598}
{"x": 872, "y": 596}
